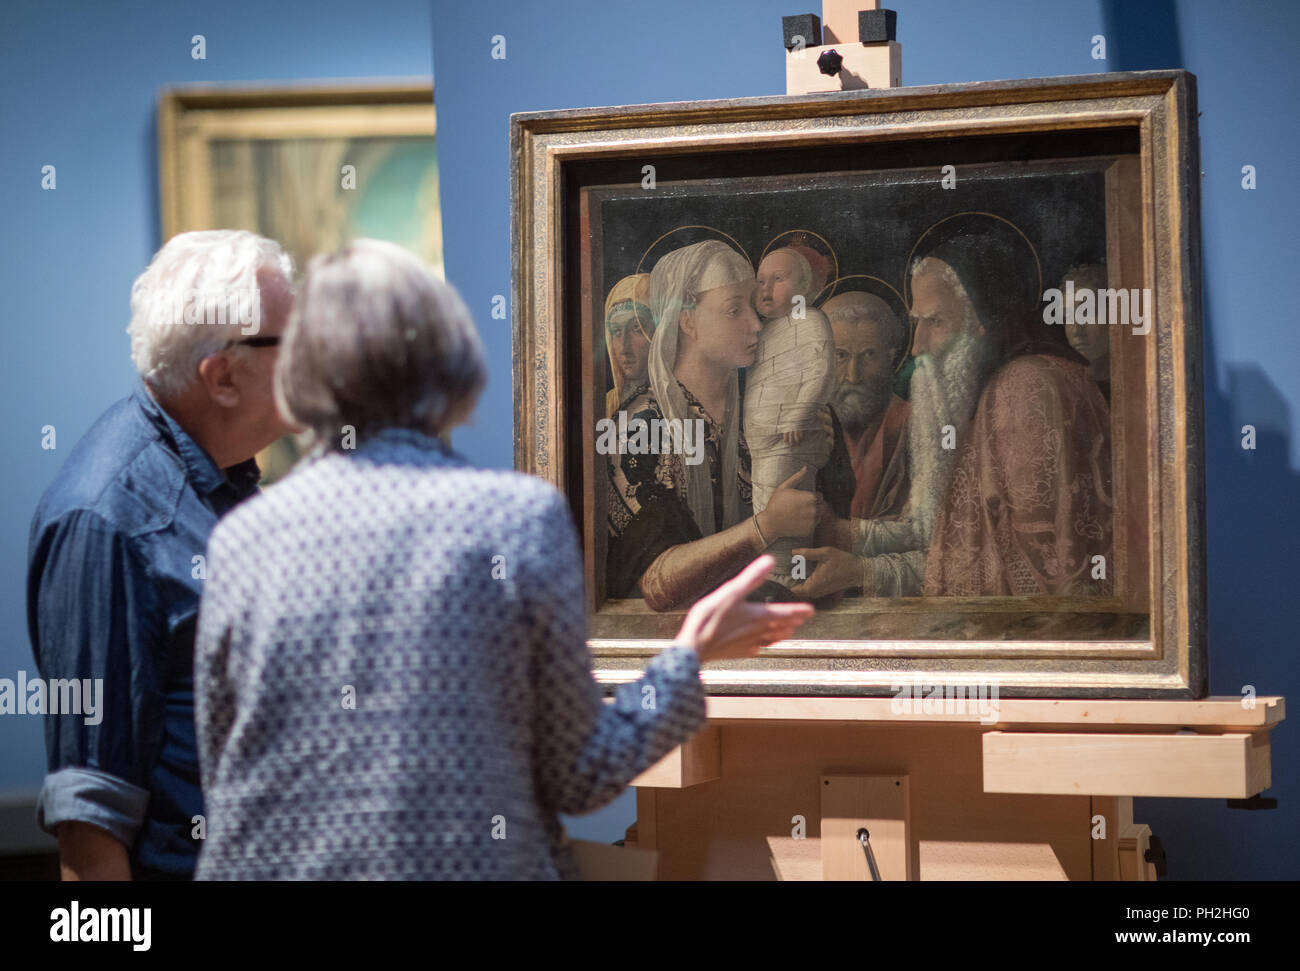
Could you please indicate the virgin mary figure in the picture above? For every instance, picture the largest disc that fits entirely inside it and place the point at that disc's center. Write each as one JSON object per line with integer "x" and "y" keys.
{"x": 678, "y": 529}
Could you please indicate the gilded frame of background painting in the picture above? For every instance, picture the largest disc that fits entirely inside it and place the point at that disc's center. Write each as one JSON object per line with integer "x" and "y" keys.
{"x": 308, "y": 165}
{"x": 594, "y": 190}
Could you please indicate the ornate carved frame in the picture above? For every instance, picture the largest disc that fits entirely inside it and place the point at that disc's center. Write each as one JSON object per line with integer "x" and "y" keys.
{"x": 1156, "y": 207}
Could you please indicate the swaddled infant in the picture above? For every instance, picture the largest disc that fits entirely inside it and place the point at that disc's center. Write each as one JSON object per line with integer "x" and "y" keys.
{"x": 786, "y": 388}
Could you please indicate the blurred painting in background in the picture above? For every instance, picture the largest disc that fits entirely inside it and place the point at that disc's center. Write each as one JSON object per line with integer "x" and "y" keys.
{"x": 310, "y": 167}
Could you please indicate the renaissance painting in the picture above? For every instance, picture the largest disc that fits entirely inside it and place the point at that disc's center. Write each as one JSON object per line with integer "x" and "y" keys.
{"x": 919, "y": 372}
{"x": 851, "y": 358}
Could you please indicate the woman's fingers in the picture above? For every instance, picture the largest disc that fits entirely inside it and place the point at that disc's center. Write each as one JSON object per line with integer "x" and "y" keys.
{"x": 782, "y": 612}
{"x": 794, "y": 480}
{"x": 738, "y": 587}
{"x": 785, "y": 617}
{"x": 747, "y": 580}
{"x": 724, "y": 624}
{"x": 779, "y": 632}
{"x": 798, "y": 612}
{"x": 752, "y": 576}
{"x": 735, "y": 590}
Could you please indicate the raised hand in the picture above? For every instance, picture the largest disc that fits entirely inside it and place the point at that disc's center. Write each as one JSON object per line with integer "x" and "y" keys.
{"x": 725, "y": 625}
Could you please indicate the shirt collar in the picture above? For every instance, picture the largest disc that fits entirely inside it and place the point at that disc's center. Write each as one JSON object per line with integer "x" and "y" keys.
{"x": 406, "y": 436}
{"x": 201, "y": 471}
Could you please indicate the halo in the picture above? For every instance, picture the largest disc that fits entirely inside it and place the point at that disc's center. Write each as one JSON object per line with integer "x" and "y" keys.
{"x": 730, "y": 239}
{"x": 640, "y": 266}
{"x": 907, "y": 319}
{"x": 833, "y": 270}
{"x": 1038, "y": 265}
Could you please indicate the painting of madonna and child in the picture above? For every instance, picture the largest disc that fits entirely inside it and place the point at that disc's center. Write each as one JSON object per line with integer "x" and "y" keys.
{"x": 901, "y": 392}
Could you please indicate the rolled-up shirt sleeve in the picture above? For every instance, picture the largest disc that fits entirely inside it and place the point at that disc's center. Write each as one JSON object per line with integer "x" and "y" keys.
{"x": 586, "y": 752}
{"x": 90, "y": 618}
{"x": 91, "y": 796}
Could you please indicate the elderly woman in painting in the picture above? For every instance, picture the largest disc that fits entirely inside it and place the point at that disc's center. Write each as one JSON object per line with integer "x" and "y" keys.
{"x": 391, "y": 666}
{"x": 629, "y": 326}
{"x": 679, "y": 528}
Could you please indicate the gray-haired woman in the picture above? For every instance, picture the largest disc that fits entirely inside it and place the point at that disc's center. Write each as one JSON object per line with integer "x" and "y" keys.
{"x": 391, "y": 663}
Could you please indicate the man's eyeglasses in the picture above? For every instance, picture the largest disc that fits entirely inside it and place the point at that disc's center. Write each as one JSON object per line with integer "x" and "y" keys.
{"x": 257, "y": 342}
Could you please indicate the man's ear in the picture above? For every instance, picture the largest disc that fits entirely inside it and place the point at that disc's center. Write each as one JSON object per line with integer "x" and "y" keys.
{"x": 217, "y": 378}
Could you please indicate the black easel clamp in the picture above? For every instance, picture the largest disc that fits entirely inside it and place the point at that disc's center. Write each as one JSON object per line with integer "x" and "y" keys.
{"x": 1254, "y": 802}
{"x": 1156, "y": 854}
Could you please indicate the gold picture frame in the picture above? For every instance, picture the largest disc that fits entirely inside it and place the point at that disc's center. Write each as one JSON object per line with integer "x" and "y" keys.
{"x": 1136, "y": 131}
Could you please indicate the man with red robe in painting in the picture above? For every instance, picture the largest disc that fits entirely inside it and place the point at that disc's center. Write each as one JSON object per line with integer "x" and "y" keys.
{"x": 1029, "y": 507}
{"x": 1009, "y": 477}
{"x": 870, "y": 341}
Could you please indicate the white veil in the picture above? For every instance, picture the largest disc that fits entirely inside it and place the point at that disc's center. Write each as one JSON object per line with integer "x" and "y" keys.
{"x": 676, "y": 283}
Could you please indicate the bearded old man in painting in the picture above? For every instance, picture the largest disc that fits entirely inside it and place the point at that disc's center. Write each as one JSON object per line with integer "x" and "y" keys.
{"x": 1008, "y": 445}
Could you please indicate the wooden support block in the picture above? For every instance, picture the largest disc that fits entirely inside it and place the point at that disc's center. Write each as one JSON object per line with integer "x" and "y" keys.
{"x": 864, "y": 66}
{"x": 597, "y": 861}
{"x": 1121, "y": 853}
{"x": 1234, "y": 765}
{"x": 698, "y": 760}
{"x": 840, "y": 20}
{"x": 879, "y": 803}
{"x": 1133, "y": 845}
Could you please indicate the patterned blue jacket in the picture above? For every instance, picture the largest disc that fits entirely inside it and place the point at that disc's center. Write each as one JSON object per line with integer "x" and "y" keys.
{"x": 393, "y": 680}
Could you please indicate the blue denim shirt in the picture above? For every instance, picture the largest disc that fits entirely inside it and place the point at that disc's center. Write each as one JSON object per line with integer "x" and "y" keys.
{"x": 113, "y": 588}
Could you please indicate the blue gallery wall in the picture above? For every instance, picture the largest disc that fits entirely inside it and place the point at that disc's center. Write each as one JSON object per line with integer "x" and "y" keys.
{"x": 621, "y": 52}
{"x": 77, "y": 87}
{"x": 78, "y": 84}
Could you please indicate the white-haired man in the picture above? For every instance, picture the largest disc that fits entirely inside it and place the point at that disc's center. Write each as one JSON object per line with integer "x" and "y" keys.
{"x": 116, "y": 553}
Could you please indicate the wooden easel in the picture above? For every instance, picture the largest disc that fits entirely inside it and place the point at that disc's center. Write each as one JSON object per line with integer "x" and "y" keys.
{"x": 1045, "y": 793}
{"x": 779, "y": 787}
